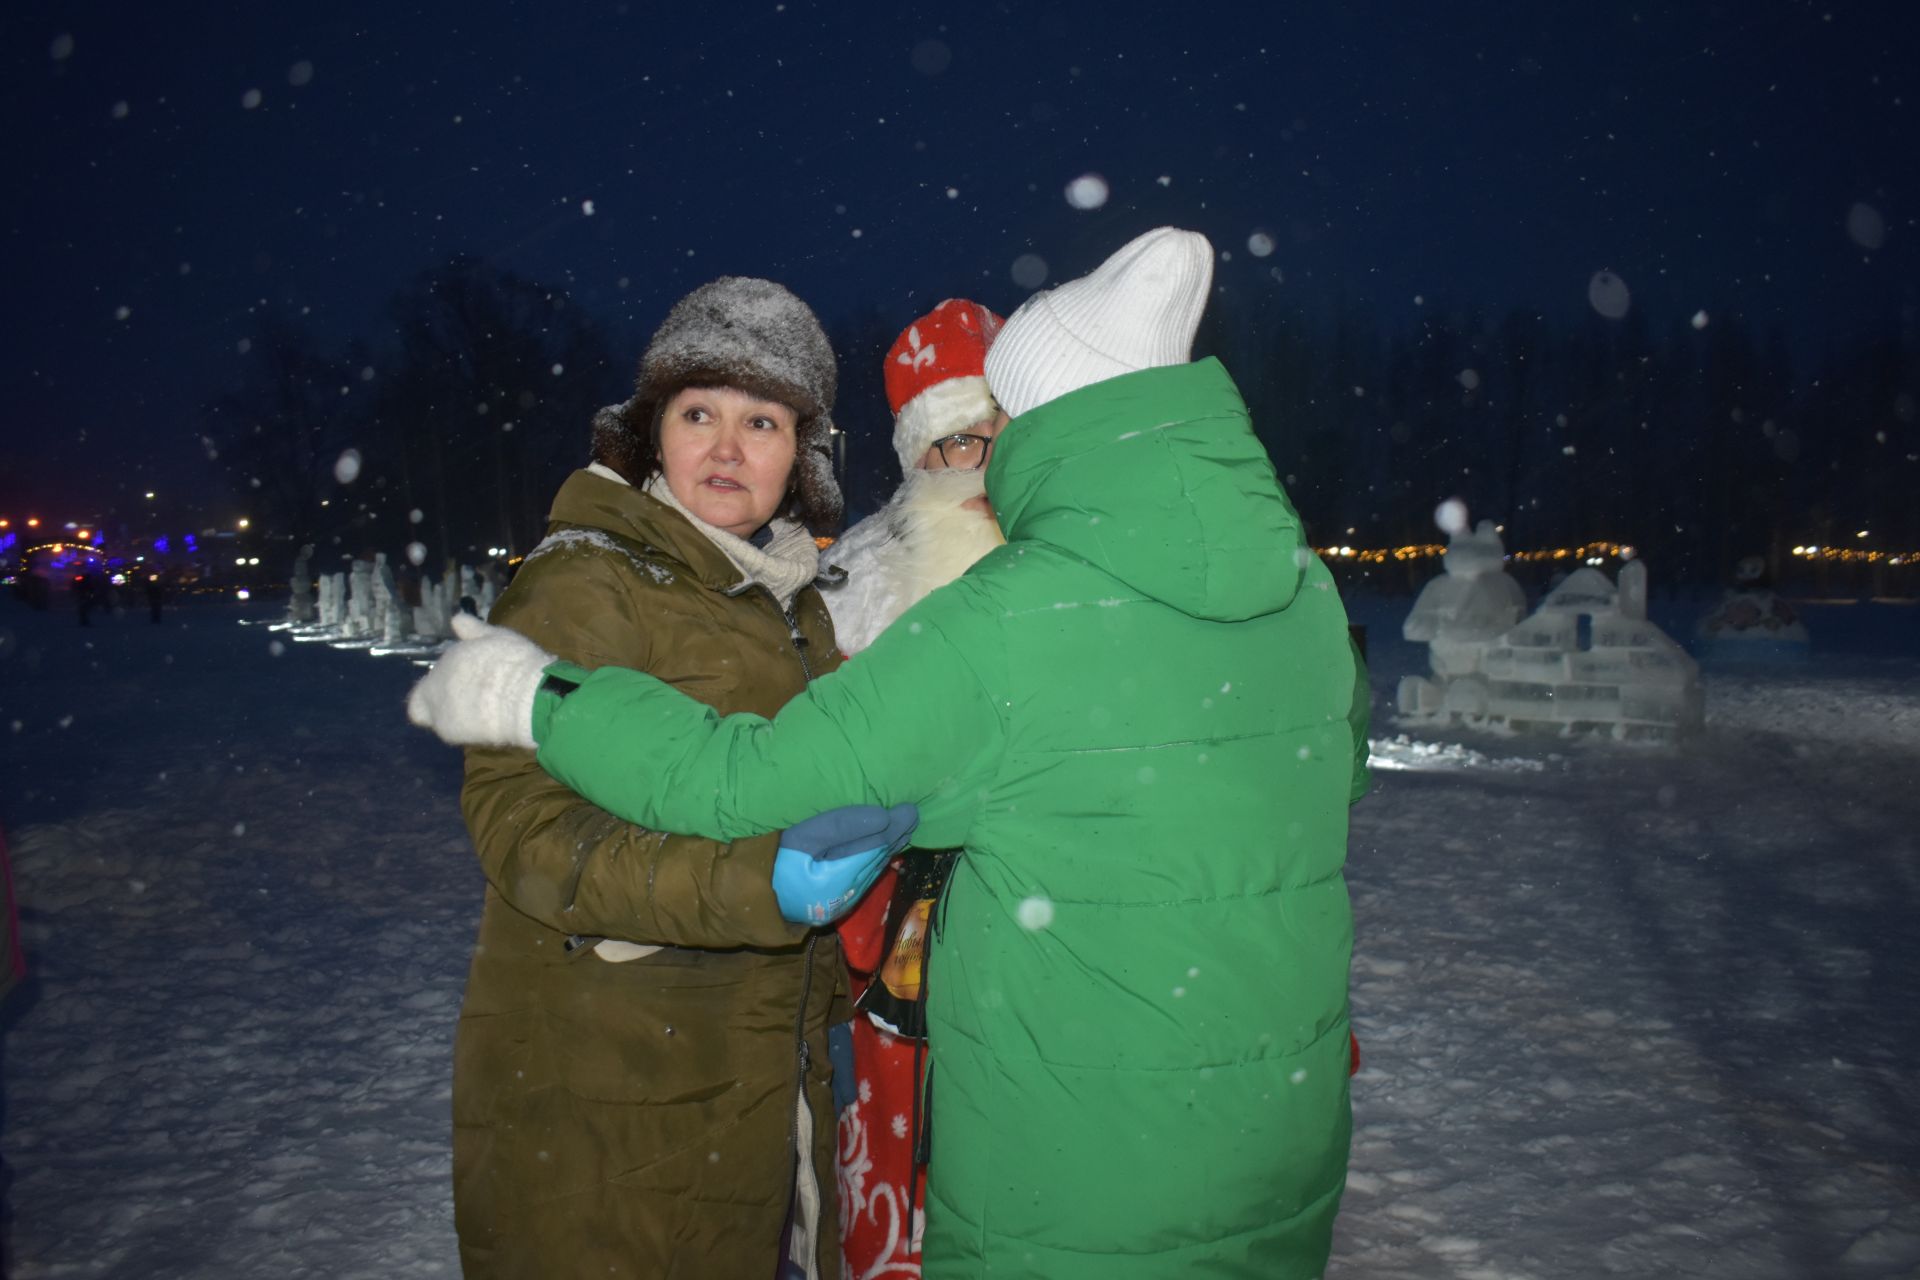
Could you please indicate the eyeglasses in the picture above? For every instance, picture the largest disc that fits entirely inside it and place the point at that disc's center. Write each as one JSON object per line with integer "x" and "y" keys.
{"x": 964, "y": 452}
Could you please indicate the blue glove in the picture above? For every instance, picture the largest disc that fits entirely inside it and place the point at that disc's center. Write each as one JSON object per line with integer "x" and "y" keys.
{"x": 827, "y": 862}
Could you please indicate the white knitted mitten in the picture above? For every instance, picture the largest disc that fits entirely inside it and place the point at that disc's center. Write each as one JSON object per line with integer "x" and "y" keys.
{"x": 480, "y": 692}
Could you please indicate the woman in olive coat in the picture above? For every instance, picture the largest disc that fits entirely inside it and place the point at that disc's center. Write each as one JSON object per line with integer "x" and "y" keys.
{"x": 640, "y": 1071}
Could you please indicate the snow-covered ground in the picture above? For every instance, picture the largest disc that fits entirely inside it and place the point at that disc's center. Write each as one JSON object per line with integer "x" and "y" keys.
{"x": 1625, "y": 1012}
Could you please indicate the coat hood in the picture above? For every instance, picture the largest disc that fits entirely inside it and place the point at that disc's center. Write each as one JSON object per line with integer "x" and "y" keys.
{"x": 1156, "y": 478}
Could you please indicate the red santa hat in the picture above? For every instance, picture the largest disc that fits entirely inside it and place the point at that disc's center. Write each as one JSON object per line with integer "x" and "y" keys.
{"x": 936, "y": 376}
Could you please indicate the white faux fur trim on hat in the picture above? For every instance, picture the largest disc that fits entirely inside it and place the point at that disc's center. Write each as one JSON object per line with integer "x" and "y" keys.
{"x": 943, "y": 409}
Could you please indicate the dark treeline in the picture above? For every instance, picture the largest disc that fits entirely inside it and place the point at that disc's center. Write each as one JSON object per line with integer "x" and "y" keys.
{"x": 453, "y": 433}
{"x": 1698, "y": 446}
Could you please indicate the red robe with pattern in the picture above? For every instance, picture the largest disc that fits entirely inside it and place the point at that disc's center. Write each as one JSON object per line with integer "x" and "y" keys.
{"x": 882, "y": 1193}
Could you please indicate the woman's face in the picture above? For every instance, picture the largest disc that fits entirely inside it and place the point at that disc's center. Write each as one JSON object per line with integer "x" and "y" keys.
{"x": 727, "y": 455}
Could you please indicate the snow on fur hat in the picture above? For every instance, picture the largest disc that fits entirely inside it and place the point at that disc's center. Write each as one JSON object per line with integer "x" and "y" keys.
{"x": 1137, "y": 310}
{"x": 755, "y": 336}
{"x": 936, "y": 376}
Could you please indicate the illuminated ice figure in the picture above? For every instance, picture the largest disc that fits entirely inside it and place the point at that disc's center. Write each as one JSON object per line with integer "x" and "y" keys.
{"x": 300, "y": 604}
{"x": 479, "y": 587}
{"x": 360, "y": 598}
{"x": 433, "y": 618}
{"x": 333, "y": 599}
{"x": 1457, "y": 615}
{"x": 1590, "y": 660}
{"x": 391, "y": 611}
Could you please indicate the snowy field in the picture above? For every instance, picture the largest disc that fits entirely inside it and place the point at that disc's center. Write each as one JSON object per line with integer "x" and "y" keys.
{"x": 1644, "y": 1012}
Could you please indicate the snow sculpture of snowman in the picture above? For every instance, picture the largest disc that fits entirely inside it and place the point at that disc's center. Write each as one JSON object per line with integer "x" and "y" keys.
{"x": 1457, "y": 615}
{"x": 1589, "y": 659}
{"x": 1751, "y": 623}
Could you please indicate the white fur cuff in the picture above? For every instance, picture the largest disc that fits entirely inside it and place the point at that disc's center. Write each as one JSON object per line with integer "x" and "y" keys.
{"x": 943, "y": 409}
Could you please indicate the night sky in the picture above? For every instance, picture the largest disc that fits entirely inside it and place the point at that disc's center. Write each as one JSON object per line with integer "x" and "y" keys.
{"x": 171, "y": 168}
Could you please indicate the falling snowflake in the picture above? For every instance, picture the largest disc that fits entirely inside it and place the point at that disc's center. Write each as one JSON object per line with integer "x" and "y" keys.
{"x": 1029, "y": 270}
{"x": 1035, "y": 913}
{"x": 1088, "y": 191}
{"x": 1609, "y": 295}
{"x": 1866, "y": 226}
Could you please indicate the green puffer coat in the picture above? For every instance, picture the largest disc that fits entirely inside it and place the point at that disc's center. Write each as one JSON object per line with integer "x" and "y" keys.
{"x": 636, "y": 1119}
{"x": 1138, "y": 717}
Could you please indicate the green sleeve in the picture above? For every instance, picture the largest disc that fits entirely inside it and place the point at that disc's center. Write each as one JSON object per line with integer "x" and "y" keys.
{"x": 575, "y": 867}
{"x": 579, "y": 869}
{"x": 910, "y": 720}
{"x": 1360, "y": 716}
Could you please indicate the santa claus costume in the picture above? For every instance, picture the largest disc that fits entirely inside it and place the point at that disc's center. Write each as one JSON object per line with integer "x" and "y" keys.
{"x": 935, "y": 526}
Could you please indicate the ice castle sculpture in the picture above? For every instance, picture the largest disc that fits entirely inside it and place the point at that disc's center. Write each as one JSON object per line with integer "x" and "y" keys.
{"x": 1587, "y": 660}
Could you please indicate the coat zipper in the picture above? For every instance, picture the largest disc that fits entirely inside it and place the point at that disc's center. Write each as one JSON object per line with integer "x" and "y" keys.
{"x": 800, "y": 1100}
{"x": 800, "y": 1032}
{"x": 799, "y": 642}
{"x": 805, "y": 1054}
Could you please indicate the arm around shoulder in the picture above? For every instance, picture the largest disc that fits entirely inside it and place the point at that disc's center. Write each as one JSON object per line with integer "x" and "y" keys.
{"x": 557, "y": 857}
{"x": 912, "y": 720}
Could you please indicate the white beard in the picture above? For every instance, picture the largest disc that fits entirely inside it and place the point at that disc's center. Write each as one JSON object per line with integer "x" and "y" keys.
{"x": 924, "y": 538}
{"x": 939, "y": 537}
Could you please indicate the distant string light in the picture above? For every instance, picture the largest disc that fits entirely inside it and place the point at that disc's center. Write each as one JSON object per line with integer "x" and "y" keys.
{"x": 1849, "y": 555}
{"x": 1380, "y": 555}
{"x": 1596, "y": 553}
{"x": 1590, "y": 552}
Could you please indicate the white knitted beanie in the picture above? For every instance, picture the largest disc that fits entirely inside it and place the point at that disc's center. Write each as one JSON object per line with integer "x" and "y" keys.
{"x": 1137, "y": 310}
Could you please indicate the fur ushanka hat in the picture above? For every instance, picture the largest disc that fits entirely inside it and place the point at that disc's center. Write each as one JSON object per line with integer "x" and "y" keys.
{"x": 754, "y": 336}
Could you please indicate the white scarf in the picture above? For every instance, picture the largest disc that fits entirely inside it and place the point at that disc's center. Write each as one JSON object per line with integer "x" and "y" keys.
{"x": 786, "y": 564}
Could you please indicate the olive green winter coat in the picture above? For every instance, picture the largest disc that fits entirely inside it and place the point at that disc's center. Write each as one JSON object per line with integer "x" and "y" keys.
{"x": 1139, "y": 719}
{"x": 636, "y": 1119}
